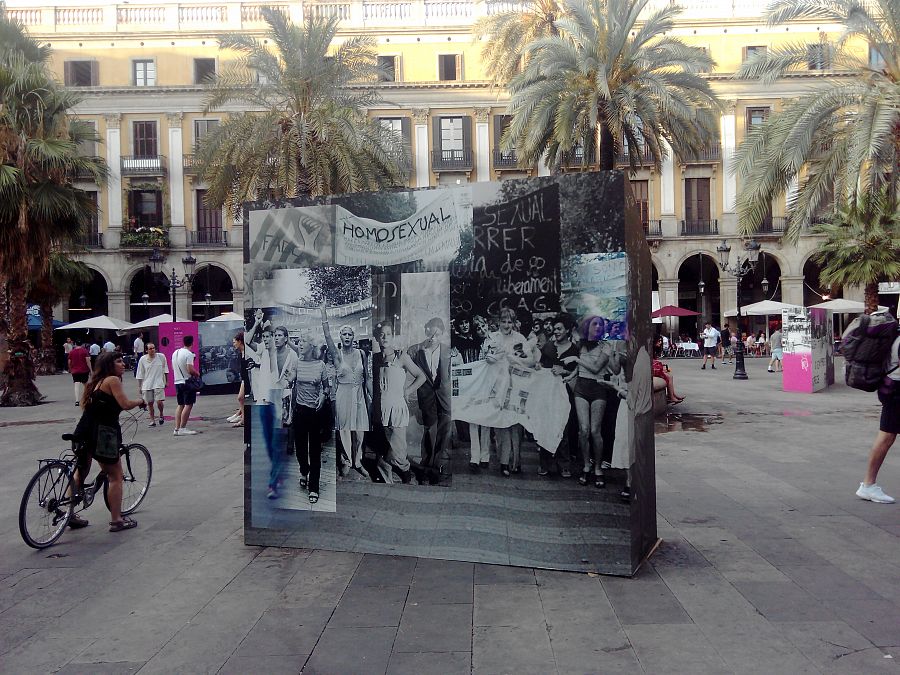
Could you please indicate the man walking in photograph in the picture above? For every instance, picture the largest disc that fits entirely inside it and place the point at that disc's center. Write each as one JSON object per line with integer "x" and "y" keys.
{"x": 138, "y": 350}
{"x": 152, "y": 376}
{"x": 183, "y": 368}
{"x": 710, "y": 338}
{"x": 433, "y": 358}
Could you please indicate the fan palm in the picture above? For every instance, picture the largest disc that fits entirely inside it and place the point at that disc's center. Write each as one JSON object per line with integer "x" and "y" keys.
{"x": 861, "y": 245}
{"x": 840, "y": 140}
{"x": 604, "y": 75}
{"x": 305, "y": 131}
{"x": 508, "y": 33}
{"x": 39, "y": 207}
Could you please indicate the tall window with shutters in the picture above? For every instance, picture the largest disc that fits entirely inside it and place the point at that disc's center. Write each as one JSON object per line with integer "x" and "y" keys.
{"x": 449, "y": 67}
{"x": 145, "y": 139}
{"x": 209, "y": 221}
{"x": 81, "y": 73}
{"x": 641, "y": 191}
{"x": 145, "y": 207}
{"x": 696, "y": 204}
{"x": 452, "y": 139}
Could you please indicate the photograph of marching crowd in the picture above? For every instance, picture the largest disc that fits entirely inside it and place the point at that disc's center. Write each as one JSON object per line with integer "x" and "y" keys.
{"x": 460, "y": 354}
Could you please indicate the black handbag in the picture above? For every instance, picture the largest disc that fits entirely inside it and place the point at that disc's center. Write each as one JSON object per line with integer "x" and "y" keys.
{"x": 194, "y": 383}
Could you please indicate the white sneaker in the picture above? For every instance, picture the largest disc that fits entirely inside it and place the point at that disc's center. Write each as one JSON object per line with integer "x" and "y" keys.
{"x": 186, "y": 432}
{"x": 873, "y": 493}
{"x": 177, "y": 432}
{"x": 233, "y": 418}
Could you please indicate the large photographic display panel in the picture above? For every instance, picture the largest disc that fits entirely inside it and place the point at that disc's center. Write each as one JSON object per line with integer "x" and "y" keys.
{"x": 452, "y": 373}
{"x": 808, "y": 358}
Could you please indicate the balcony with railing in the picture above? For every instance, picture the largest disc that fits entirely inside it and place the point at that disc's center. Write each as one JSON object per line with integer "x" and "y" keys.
{"x": 772, "y": 226}
{"x": 642, "y": 155}
{"x": 690, "y": 228}
{"x": 707, "y": 155}
{"x": 209, "y": 236}
{"x": 134, "y": 165}
{"x": 652, "y": 228}
{"x": 83, "y": 175}
{"x": 577, "y": 159}
{"x": 505, "y": 159}
{"x": 92, "y": 239}
{"x": 451, "y": 160}
{"x": 190, "y": 164}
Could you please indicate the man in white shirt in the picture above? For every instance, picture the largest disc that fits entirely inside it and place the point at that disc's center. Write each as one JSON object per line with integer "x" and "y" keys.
{"x": 182, "y": 369}
{"x": 108, "y": 346}
{"x": 94, "y": 352}
{"x": 138, "y": 350}
{"x": 710, "y": 344}
{"x": 152, "y": 377}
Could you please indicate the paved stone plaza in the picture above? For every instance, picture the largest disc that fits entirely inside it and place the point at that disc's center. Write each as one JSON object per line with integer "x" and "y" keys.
{"x": 769, "y": 563}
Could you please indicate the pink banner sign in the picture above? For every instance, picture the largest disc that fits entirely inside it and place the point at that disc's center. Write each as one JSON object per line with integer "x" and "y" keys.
{"x": 171, "y": 337}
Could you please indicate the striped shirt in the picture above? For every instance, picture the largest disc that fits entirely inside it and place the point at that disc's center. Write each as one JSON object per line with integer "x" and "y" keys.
{"x": 310, "y": 381}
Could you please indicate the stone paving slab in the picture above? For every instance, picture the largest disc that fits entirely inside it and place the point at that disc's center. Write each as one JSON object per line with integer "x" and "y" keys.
{"x": 769, "y": 563}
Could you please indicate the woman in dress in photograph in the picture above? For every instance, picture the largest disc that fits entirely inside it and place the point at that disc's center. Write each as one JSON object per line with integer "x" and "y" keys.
{"x": 596, "y": 367}
{"x": 353, "y": 388}
{"x": 396, "y": 370}
{"x": 509, "y": 346}
{"x": 309, "y": 399}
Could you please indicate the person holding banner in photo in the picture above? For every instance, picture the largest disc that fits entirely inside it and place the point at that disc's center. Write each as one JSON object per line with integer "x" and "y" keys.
{"x": 354, "y": 388}
{"x": 594, "y": 388}
{"x": 466, "y": 344}
{"x": 394, "y": 367}
{"x": 262, "y": 364}
{"x": 507, "y": 345}
{"x": 556, "y": 356}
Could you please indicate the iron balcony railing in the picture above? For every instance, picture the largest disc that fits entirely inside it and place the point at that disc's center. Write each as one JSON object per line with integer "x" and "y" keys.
{"x": 190, "y": 164}
{"x": 82, "y": 174}
{"x": 152, "y": 165}
{"x": 91, "y": 240}
{"x": 772, "y": 225}
{"x": 451, "y": 160}
{"x": 642, "y": 155}
{"x": 693, "y": 227}
{"x": 710, "y": 153}
{"x": 653, "y": 228}
{"x": 209, "y": 237}
{"x": 505, "y": 159}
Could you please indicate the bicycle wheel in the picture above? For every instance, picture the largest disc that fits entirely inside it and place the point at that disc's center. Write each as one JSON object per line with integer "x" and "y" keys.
{"x": 137, "y": 469}
{"x": 46, "y": 505}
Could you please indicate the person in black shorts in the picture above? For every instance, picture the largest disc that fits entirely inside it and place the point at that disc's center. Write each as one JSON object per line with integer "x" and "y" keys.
{"x": 888, "y": 428}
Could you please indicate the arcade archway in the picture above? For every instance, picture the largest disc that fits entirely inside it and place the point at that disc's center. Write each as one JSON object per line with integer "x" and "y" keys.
{"x": 698, "y": 290}
{"x": 148, "y": 295}
{"x": 89, "y": 299}
{"x": 211, "y": 293}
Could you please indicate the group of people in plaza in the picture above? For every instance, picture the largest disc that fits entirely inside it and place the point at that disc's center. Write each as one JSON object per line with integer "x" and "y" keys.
{"x": 714, "y": 344}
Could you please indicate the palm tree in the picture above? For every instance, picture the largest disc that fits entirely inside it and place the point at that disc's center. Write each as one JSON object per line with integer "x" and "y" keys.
{"x": 39, "y": 207}
{"x": 842, "y": 139}
{"x": 861, "y": 245}
{"x": 602, "y": 74}
{"x": 305, "y": 131}
{"x": 508, "y": 33}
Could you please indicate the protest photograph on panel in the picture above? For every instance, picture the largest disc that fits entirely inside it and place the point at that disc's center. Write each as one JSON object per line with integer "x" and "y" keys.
{"x": 220, "y": 361}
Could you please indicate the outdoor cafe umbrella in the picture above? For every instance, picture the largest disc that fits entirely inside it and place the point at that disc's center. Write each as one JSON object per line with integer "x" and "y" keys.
{"x": 101, "y": 322}
{"x": 762, "y": 308}
{"x": 673, "y": 310}
{"x": 227, "y": 316}
{"x": 844, "y": 306}
{"x": 152, "y": 322}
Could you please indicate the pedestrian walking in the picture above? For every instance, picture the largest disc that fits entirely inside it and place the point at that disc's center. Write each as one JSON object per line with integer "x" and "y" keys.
{"x": 68, "y": 346}
{"x": 725, "y": 343}
{"x": 888, "y": 428}
{"x": 710, "y": 338}
{"x": 152, "y": 374}
{"x": 94, "y": 352}
{"x": 109, "y": 347}
{"x": 138, "y": 350}
{"x": 79, "y": 362}
{"x": 776, "y": 349}
{"x": 182, "y": 369}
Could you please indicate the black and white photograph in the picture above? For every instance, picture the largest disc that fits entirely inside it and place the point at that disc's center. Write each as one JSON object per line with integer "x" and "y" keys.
{"x": 220, "y": 360}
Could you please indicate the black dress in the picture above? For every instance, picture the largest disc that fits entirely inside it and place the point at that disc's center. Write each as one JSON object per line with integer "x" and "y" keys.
{"x": 102, "y": 410}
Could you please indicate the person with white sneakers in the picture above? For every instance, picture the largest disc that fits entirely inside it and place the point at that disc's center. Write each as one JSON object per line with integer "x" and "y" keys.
{"x": 889, "y": 427}
{"x": 710, "y": 344}
{"x": 182, "y": 369}
{"x": 152, "y": 377}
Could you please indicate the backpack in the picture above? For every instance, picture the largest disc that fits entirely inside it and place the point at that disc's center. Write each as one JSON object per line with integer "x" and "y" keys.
{"x": 866, "y": 346}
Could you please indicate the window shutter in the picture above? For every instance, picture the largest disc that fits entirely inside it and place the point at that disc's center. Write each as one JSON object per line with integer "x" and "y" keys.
{"x": 95, "y": 73}
{"x": 459, "y": 64}
{"x": 159, "y": 208}
{"x": 467, "y": 133}
{"x": 132, "y": 203}
{"x": 436, "y": 133}
{"x": 406, "y": 131}
{"x": 498, "y": 130}
{"x": 703, "y": 199}
{"x": 68, "y": 75}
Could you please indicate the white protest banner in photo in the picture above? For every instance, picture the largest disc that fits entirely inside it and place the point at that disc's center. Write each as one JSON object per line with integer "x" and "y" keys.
{"x": 431, "y": 234}
{"x": 497, "y": 395}
{"x": 296, "y": 236}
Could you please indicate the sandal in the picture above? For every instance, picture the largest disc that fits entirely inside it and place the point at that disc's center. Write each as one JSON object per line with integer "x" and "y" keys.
{"x": 303, "y": 480}
{"x": 600, "y": 482}
{"x": 313, "y": 497}
{"x": 125, "y": 524}
{"x": 583, "y": 478}
{"x": 76, "y": 522}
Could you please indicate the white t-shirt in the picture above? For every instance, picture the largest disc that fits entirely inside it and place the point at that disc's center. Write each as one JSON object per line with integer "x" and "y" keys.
{"x": 109, "y": 346}
{"x": 152, "y": 372}
{"x": 138, "y": 346}
{"x": 710, "y": 337}
{"x": 68, "y": 346}
{"x": 181, "y": 358}
{"x": 94, "y": 350}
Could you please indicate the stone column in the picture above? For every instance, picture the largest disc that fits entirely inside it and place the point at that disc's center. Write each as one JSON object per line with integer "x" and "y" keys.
{"x": 728, "y": 296}
{"x": 792, "y": 290}
{"x": 237, "y": 297}
{"x": 183, "y": 303}
{"x": 667, "y": 194}
{"x": 118, "y": 305}
{"x": 543, "y": 169}
{"x": 668, "y": 295}
{"x": 729, "y": 179}
{"x": 420, "y": 135}
{"x": 114, "y": 214}
{"x": 482, "y": 144}
{"x": 177, "y": 230}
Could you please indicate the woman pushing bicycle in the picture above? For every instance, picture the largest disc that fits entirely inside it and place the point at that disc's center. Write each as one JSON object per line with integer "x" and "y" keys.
{"x": 101, "y": 436}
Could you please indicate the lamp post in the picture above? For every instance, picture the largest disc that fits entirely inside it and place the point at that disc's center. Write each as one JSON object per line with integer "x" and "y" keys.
{"x": 157, "y": 262}
{"x": 208, "y": 299}
{"x": 741, "y": 268}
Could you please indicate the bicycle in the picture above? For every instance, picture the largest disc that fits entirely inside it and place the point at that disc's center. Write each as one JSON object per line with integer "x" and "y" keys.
{"x": 52, "y": 496}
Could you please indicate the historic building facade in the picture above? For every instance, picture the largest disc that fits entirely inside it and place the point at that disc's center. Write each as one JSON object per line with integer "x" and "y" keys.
{"x": 141, "y": 67}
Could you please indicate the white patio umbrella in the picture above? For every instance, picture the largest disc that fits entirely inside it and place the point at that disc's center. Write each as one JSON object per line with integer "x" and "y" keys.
{"x": 227, "y": 316}
{"x": 101, "y": 322}
{"x": 152, "y": 322}
{"x": 762, "y": 308}
{"x": 844, "y": 306}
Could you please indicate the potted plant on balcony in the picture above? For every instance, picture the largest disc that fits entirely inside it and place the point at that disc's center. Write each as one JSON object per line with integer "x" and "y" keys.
{"x": 143, "y": 236}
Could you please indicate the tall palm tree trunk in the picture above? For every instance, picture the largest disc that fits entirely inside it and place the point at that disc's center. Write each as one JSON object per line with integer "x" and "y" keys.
{"x": 4, "y": 329}
{"x": 19, "y": 371}
{"x": 607, "y": 147}
{"x": 871, "y": 297}
{"x": 47, "y": 360}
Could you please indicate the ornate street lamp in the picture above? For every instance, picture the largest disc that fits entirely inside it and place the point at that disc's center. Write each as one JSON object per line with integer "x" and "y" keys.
{"x": 741, "y": 268}
{"x": 157, "y": 264}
